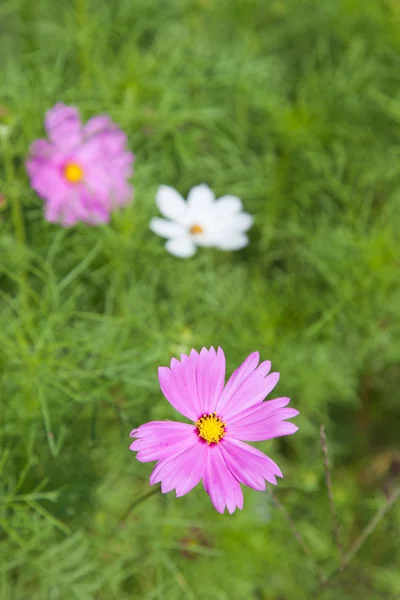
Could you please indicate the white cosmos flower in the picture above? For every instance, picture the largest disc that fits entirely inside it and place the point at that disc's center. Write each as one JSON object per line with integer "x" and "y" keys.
{"x": 200, "y": 221}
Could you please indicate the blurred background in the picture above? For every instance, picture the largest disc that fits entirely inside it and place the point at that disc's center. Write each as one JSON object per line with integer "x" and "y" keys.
{"x": 294, "y": 106}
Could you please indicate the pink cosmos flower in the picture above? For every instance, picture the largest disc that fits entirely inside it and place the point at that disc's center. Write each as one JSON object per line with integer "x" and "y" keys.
{"x": 81, "y": 171}
{"x": 224, "y": 416}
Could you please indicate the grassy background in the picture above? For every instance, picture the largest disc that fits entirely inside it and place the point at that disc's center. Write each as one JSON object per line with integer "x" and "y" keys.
{"x": 293, "y": 105}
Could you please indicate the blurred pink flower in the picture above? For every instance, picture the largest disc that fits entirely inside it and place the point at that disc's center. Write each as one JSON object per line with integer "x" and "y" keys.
{"x": 81, "y": 171}
{"x": 225, "y": 416}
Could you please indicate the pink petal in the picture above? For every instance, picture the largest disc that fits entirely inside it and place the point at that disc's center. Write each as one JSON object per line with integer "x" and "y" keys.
{"x": 248, "y": 465}
{"x": 159, "y": 440}
{"x": 40, "y": 152}
{"x": 164, "y": 448}
{"x": 104, "y": 145}
{"x": 219, "y": 483}
{"x": 249, "y": 386}
{"x": 96, "y": 124}
{"x": 47, "y": 181}
{"x": 237, "y": 378}
{"x": 260, "y": 410}
{"x": 262, "y": 430}
{"x": 63, "y": 126}
{"x": 210, "y": 378}
{"x": 191, "y": 468}
{"x": 182, "y": 471}
{"x": 157, "y": 429}
{"x": 193, "y": 386}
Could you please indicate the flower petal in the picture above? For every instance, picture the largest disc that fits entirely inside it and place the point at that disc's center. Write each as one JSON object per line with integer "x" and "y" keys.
{"x": 210, "y": 378}
{"x": 63, "y": 126}
{"x": 182, "y": 471}
{"x": 47, "y": 181}
{"x": 194, "y": 385}
{"x": 252, "y": 391}
{"x": 191, "y": 468}
{"x": 227, "y": 206}
{"x": 249, "y": 465}
{"x": 96, "y": 124}
{"x": 170, "y": 203}
{"x": 219, "y": 483}
{"x": 241, "y": 222}
{"x": 163, "y": 448}
{"x": 268, "y": 407}
{"x": 161, "y": 428}
{"x": 233, "y": 241}
{"x": 177, "y": 387}
{"x": 167, "y": 229}
{"x": 237, "y": 378}
{"x": 158, "y": 440}
{"x": 263, "y": 422}
{"x": 181, "y": 246}
{"x": 39, "y": 152}
{"x": 229, "y": 225}
{"x": 200, "y": 202}
{"x": 248, "y": 385}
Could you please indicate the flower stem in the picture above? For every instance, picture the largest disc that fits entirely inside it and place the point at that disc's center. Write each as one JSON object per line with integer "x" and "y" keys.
{"x": 18, "y": 221}
{"x": 298, "y": 537}
{"x": 16, "y": 210}
{"x": 366, "y": 532}
{"x": 19, "y": 231}
{"x": 328, "y": 481}
{"x": 376, "y": 519}
{"x": 152, "y": 492}
{"x": 82, "y": 39}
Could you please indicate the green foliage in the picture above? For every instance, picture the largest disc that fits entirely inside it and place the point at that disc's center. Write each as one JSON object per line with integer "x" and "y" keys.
{"x": 294, "y": 106}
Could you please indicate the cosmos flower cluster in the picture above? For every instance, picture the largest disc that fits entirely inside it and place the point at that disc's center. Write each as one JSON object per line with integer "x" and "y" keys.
{"x": 82, "y": 172}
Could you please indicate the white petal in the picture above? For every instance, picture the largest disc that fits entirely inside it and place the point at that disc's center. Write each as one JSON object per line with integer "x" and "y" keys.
{"x": 200, "y": 202}
{"x": 166, "y": 228}
{"x": 241, "y": 222}
{"x": 232, "y": 242}
{"x": 227, "y": 205}
{"x": 170, "y": 203}
{"x": 206, "y": 239}
{"x": 231, "y": 225}
{"x": 181, "y": 246}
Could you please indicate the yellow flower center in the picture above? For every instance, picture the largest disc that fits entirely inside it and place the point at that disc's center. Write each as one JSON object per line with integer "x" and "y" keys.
{"x": 211, "y": 428}
{"x": 196, "y": 229}
{"x": 73, "y": 172}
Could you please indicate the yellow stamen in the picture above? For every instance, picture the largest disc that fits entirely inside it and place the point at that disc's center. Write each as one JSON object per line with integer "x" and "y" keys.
{"x": 73, "y": 172}
{"x": 196, "y": 229}
{"x": 211, "y": 428}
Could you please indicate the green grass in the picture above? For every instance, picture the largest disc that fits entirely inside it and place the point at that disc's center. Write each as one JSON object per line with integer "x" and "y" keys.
{"x": 293, "y": 105}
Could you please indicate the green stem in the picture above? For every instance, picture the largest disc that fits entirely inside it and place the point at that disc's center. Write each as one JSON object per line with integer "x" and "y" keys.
{"x": 82, "y": 38}
{"x": 152, "y": 492}
{"x": 18, "y": 221}
{"x": 374, "y": 522}
{"x": 364, "y": 535}
{"x": 19, "y": 231}
{"x": 298, "y": 537}
{"x": 17, "y": 217}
